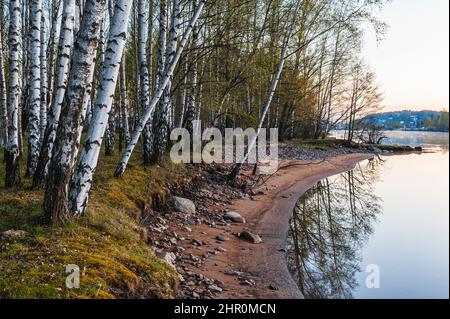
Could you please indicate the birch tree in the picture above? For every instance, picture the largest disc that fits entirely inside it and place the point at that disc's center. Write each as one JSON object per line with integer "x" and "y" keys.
{"x": 53, "y": 46}
{"x": 35, "y": 85}
{"x": 157, "y": 95}
{"x": 273, "y": 87}
{"x": 3, "y": 95}
{"x": 124, "y": 125}
{"x": 43, "y": 78}
{"x": 65, "y": 46}
{"x": 60, "y": 169}
{"x": 162, "y": 124}
{"x": 144, "y": 77}
{"x": 84, "y": 173}
{"x": 12, "y": 153}
{"x": 191, "y": 110}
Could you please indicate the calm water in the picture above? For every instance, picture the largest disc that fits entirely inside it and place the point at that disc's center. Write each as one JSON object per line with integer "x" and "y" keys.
{"x": 424, "y": 139}
{"x": 392, "y": 212}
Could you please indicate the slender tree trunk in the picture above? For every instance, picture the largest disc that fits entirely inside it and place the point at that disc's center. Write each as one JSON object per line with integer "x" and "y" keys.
{"x": 125, "y": 126}
{"x": 12, "y": 152}
{"x": 44, "y": 78}
{"x": 65, "y": 46}
{"x": 60, "y": 171}
{"x": 3, "y": 95}
{"x": 84, "y": 173}
{"x": 53, "y": 46}
{"x": 110, "y": 130}
{"x": 35, "y": 86}
{"x": 237, "y": 168}
{"x": 159, "y": 92}
{"x": 144, "y": 77}
{"x": 191, "y": 111}
{"x": 162, "y": 114}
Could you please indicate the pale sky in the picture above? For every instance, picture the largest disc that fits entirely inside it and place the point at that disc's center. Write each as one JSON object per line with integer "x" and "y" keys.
{"x": 412, "y": 62}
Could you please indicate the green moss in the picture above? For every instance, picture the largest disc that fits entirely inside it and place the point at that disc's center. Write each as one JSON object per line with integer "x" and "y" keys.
{"x": 107, "y": 244}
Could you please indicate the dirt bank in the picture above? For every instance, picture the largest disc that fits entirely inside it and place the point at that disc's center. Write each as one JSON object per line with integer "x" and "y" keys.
{"x": 239, "y": 269}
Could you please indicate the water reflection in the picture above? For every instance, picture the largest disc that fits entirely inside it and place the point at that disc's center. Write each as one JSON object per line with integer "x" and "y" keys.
{"x": 330, "y": 224}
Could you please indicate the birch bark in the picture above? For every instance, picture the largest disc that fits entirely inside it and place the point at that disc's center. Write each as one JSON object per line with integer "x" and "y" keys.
{"x": 35, "y": 86}
{"x": 60, "y": 170}
{"x": 83, "y": 175}
{"x": 156, "y": 97}
{"x": 162, "y": 120}
{"x": 65, "y": 47}
{"x": 12, "y": 152}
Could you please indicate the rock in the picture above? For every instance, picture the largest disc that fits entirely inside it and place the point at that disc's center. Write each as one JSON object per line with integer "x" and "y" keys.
{"x": 233, "y": 273}
{"x": 14, "y": 233}
{"x": 173, "y": 240}
{"x": 246, "y": 282}
{"x": 215, "y": 288}
{"x": 169, "y": 258}
{"x": 418, "y": 148}
{"x": 235, "y": 217}
{"x": 221, "y": 249}
{"x": 197, "y": 242}
{"x": 271, "y": 287}
{"x": 248, "y": 236}
{"x": 222, "y": 237}
{"x": 188, "y": 229}
{"x": 183, "y": 205}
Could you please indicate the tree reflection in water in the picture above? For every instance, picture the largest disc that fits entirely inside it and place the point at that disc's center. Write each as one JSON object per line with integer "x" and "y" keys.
{"x": 329, "y": 226}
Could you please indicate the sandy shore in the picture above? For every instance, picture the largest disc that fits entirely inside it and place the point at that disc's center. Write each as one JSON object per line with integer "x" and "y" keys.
{"x": 267, "y": 215}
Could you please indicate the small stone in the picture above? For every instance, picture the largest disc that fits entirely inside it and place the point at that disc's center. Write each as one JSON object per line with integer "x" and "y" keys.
{"x": 235, "y": 217}
{"x": 183, "y": 205}
{"x": 222, "y": 237}
{"x": 247, "y": 282}
{"x": 233, "y": 273}
{"x": 188, "y": 229}
{"x": 173, "y": 240}
{"x": 197, "y": 242}
{"x": 215, "y": 288}
{"x": 221, "y": 249}
{"x": 248, "y": 236}
{"x": 271, "y": 287}
{"x": 14, "y": 233}
{"x": 169, "y": 258}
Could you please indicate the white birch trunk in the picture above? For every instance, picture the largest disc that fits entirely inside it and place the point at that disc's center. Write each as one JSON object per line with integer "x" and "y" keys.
{"x": 53, "y": 47}
{"x": 12, "y": 152}
{"x": 65, "y": 46}
{"x": 44, "y": 78}
{"x": 3, "y": 97}
{"x": 60, "y": 171}
{"x": 162, "y": 118}
{"x": 156, "y": 97}
{"x": 83, "y": 176}
{"x": 144, "y": 77}
{"x": 125, "y": 127}
{"x": 35, "y": 86}
{"x": 191, "y": 111}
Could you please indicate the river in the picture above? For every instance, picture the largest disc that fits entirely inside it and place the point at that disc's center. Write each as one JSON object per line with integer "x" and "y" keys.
{"x": 378, "y": 231}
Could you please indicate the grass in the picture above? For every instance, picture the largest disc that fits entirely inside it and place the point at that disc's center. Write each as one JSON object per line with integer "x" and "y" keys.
{"x": 325, "y": 144}
{"x": 108, "y": 244}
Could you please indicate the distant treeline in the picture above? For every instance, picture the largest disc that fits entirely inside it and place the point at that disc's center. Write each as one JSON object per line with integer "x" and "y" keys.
{"x": 412, "y": 120}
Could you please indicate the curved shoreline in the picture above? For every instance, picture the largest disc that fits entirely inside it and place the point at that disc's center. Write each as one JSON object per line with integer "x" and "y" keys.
{"x": 268, "y": 215}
